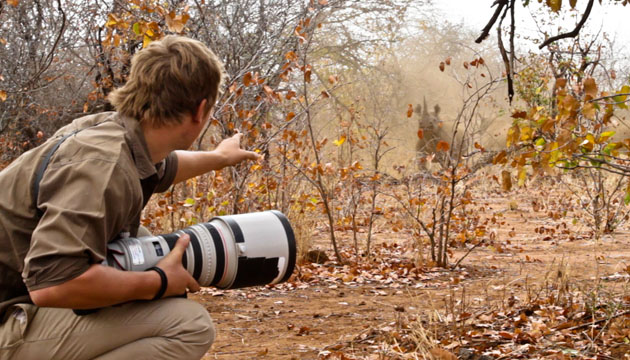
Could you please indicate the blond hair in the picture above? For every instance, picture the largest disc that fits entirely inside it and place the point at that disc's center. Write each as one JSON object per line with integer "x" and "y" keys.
{"x": 169, "y": 79}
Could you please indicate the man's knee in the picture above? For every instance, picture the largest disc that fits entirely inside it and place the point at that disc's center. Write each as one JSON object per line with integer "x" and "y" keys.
{"x": 194, "y": 324}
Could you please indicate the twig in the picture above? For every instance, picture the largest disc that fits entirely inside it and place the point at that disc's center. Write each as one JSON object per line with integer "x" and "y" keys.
{"x": 469, "y": 251}
{"x": 611, "y": 96}
{"x": 597, "y": 321}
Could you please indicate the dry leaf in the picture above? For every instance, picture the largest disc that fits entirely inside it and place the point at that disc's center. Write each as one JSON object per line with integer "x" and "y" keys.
{"x": 442, "y": 146}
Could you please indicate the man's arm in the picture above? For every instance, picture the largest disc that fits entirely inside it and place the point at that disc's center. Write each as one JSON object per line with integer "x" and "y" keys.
{"x": 103, "y": 286}
{"x": 227, "y": 153}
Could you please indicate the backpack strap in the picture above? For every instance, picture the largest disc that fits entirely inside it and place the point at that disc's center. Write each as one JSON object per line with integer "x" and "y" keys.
{"x": 42, "y": 168}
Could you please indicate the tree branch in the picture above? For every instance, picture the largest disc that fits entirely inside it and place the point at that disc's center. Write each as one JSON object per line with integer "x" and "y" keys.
{"x": 575, "y": 31}
{"x": 486, "y": 30}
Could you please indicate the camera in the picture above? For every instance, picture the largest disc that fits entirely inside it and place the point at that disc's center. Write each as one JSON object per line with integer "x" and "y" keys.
{"x": 228, "y": 252}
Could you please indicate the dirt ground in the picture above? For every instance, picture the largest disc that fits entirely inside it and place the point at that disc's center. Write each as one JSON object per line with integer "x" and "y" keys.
{"x": 342, "y": 310}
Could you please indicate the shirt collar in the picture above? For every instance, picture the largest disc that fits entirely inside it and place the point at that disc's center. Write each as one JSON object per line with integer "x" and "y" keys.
{"x": 138, "y": 145}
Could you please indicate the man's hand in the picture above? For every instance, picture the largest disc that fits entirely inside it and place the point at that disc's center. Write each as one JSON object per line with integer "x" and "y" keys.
{"x": 227, "y": 153}
{"x": 230, "y": 150}
{"x": 178, "y": 278}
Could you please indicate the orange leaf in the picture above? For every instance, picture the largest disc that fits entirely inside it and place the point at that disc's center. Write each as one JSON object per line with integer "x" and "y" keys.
{"x": 290, "y": 56}
{"x": 506, "y": 180}
{"x": 442, "y": 66}
{"x": 290, "y": 116}
{"x": 448, "y": 60}
{"x": 323, "y": 2}
{"x": 442, "y": 146}
{"x": 409, "y": 110}
{"x": 332, "y": 79}
{"x": 420, "y": 134}
{"x": 3, "y": 95}
{"x": 13, "y": 2}
{"x": 561, "y": 83}
{"x": 519, "y": 115}
{"x": 325, "y": 94}
{"x": 247, "y": 79}
{"x": 590, "y": 87}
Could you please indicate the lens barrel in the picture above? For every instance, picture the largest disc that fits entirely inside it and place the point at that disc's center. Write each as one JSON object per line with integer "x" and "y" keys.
{"x": 227, "y": 252}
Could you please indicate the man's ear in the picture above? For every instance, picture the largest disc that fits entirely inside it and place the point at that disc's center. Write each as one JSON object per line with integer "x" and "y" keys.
{"x": 200, "y": 113}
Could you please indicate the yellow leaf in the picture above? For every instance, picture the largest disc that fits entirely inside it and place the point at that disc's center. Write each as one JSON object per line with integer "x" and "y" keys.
{"x": 555, "y": 154}
{"x": 341, "y": 140}
{"x": 146, "y": 41}
{"x": 513, "y": 135}
{"x": 605, "y": 136}
{"x": 111, "y": 20}
{"x": 3, "y": 95}
{"x": 522, "y": 175}
{"x": 526, "y": 133}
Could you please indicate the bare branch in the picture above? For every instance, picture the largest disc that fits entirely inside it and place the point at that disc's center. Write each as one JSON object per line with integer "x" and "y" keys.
{"x": 575, "y": 31}
{"x": 486, "y": 30}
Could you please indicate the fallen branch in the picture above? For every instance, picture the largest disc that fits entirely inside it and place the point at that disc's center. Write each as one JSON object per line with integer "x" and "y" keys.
{"x": 627, "y": 312}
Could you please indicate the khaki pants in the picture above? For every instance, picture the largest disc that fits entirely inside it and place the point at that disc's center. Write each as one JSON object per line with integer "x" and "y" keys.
{"x": 173, "y": 328}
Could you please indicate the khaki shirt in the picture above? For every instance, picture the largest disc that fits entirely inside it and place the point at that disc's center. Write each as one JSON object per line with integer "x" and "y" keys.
{"x": 93, "y": 190}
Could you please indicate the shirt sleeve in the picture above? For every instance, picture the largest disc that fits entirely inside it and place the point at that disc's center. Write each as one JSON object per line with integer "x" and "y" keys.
{"x": 167, "y": 170}
{"x": 85, "y": 204}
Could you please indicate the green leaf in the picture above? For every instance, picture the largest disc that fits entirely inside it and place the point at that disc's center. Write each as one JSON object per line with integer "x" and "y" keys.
{"x": 626, "y": 200}
{"x": 136, "y": 28}
{"x": 540, "y": 141}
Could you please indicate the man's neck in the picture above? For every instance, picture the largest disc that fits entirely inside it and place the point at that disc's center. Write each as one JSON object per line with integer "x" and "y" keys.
{"x": 158, "y": 141}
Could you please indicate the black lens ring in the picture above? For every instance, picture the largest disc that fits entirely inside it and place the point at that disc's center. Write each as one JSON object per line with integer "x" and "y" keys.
{"x": 171, "y": 239}
{"x": 197, "y": 254}
{"x": 291, "y": 242}
{"x": 219, "y": 251}
{"x": 236, "y": 229}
